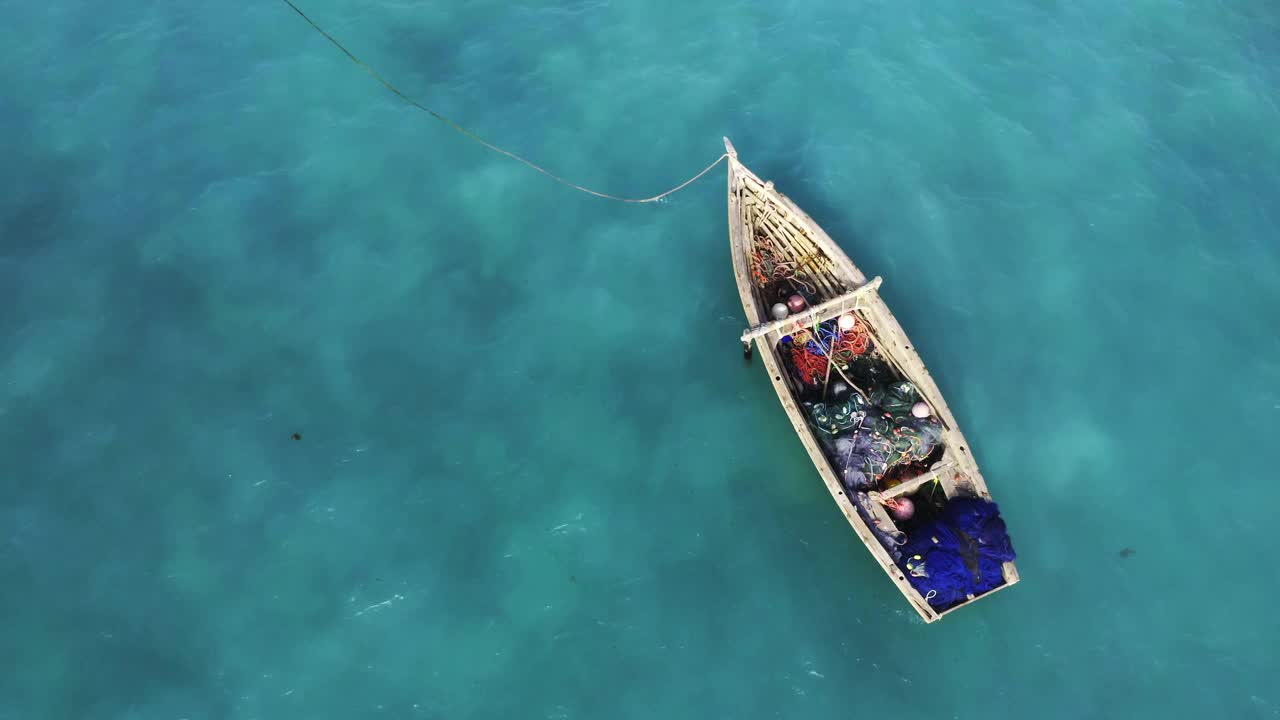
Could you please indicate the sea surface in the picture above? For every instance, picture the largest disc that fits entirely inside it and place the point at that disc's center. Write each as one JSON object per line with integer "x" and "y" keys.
{"x": 311, "y": 407}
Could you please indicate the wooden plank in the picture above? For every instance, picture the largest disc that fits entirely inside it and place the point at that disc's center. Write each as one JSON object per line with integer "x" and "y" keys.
{"x": 737, "y": 241}
{"x": 911, "y": 485}
{"x": 1011, "y": 573}
{"x": 815, "y": 314}
{"x": 801, "y": 218}
{"x": 816, "y": 261}
{"x": 806, "y": 260}
{"x": 800, "y": 245}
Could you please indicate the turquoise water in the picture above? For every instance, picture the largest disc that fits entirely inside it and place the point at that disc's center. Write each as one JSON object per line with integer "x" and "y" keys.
{"x": 535, "y": 478}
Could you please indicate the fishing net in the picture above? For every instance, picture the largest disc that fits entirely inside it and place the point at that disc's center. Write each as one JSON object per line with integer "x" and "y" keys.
{"x": 896, "y": 398}
{"x": 864, "y": 436}
{"x": 866, "y": 439}
{"x": 808, "y": 352}
{"x": 837, "y": 417}
{"x": 959, "y": 553}
{"x": 868, "y": 370}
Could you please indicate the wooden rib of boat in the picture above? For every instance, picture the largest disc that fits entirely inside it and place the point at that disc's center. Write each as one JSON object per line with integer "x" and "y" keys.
{"x": 835, "y": 287}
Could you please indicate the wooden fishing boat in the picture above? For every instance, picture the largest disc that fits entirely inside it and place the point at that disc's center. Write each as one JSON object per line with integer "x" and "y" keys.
{"x": 779, "y": 252}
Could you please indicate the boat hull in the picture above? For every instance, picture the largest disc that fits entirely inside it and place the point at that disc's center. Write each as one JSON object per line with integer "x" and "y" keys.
{"x": 841, "y": 279}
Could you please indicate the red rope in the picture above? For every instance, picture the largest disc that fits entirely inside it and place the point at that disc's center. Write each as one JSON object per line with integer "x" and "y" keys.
{"x": 811, "y": 366}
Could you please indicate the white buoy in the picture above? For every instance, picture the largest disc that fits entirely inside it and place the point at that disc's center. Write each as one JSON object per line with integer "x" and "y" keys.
{"x": 921, "y": 409}
{"x": 780, "y": 311}
{"x": 847, "y": 323}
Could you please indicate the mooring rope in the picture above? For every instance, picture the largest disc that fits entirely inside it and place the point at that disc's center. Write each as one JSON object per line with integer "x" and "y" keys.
{"x": 374, "y": 74}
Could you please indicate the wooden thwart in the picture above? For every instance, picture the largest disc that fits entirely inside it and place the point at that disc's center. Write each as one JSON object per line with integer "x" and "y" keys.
{"x": 911, "y": 485}
{"x": 815, "y": 314}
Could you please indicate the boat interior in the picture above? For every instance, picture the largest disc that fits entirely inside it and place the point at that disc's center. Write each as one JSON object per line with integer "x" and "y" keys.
{"x": 781, "y": 245}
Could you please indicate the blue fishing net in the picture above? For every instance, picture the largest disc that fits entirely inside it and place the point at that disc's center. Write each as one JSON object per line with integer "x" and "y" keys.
{"x": 960, "y": 553}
